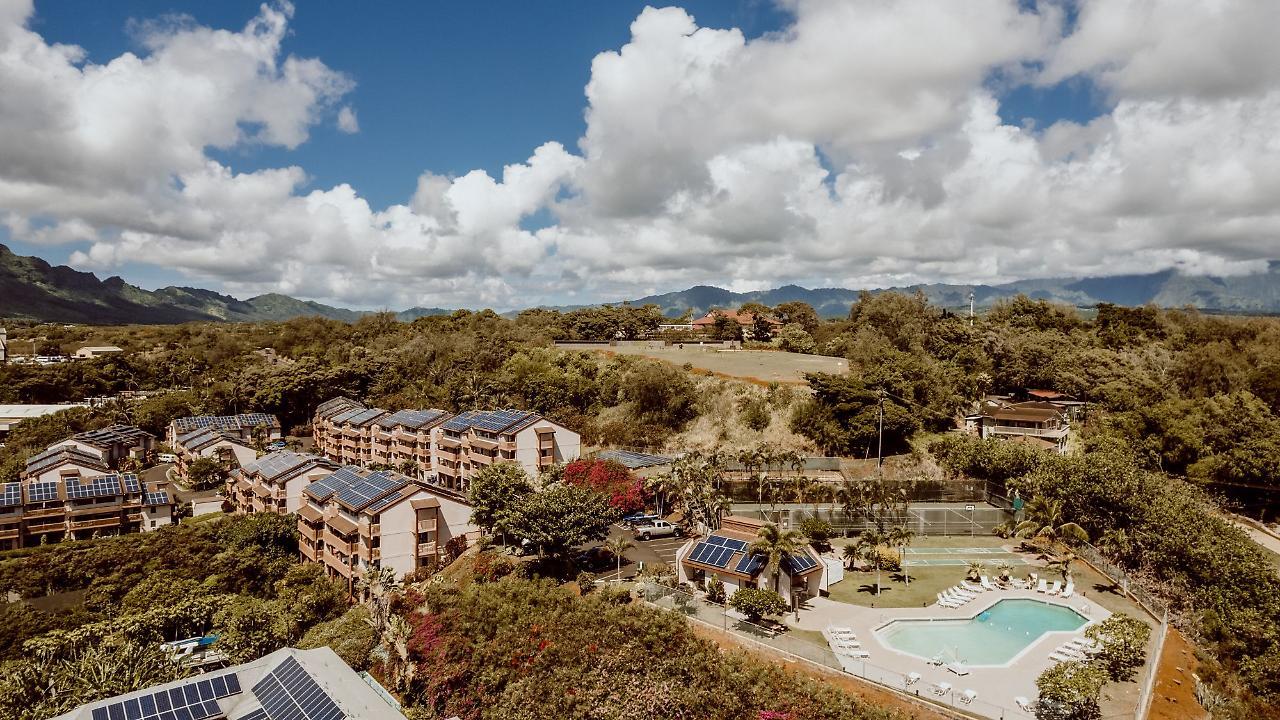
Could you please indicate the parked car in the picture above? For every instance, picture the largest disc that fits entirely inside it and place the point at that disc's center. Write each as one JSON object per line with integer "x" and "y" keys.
{"x": 277, "y": 445}
{"x": 167, "y": 458}
{"x": 638, "y": 518}
{"x": 656, "y": 528}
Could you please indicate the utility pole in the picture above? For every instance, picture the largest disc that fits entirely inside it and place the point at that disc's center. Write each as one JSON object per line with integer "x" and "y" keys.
{"x": 880, "y": 442}
{"x": 971, "y": 308}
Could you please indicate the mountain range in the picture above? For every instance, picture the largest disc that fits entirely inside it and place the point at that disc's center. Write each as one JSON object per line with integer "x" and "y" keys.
{"x": 32, "y": 289}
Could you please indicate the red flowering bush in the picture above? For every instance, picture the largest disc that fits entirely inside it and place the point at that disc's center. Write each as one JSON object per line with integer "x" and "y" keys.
{"x": 625, "y": 491}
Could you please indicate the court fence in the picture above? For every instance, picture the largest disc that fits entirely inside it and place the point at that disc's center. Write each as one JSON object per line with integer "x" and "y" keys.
{"x": 698, "y": 609}
{"x": 950, "y": 519}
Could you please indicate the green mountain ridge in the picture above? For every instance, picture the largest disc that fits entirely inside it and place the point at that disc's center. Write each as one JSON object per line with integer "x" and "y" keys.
{"x": 32, "y": 289}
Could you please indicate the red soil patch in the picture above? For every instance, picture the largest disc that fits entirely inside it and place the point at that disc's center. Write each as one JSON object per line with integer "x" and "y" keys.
{"x": 1174, "y": 697}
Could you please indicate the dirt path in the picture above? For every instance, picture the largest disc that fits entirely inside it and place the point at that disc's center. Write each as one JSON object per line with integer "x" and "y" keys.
{"x": 1174, "y": 696}
{"x": 867, "y": 692}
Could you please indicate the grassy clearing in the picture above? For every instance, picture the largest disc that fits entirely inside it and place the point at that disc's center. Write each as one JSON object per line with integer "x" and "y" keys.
{"x": 761, "y": 366}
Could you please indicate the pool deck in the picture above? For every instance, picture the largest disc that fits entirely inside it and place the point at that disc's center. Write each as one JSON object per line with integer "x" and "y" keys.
{"x": 996, "y": 686}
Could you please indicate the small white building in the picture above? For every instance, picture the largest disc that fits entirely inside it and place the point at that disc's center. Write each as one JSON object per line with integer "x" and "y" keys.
{"x": 95, "y": 351}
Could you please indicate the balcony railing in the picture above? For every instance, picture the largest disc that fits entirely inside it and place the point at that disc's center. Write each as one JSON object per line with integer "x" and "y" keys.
{"x": 46, "y": 527}
{"x": 426, "y": 549}
{"x": 426, "y": 526}
{"x": 91, "y": 524}
{"x": 1034, "y": 432}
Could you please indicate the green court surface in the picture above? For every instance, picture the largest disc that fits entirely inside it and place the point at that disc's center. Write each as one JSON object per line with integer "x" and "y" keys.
{"x": 960, "y": 556}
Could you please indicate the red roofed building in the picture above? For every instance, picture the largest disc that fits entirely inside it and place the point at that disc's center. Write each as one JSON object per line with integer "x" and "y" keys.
{"x": 745, "y": 320}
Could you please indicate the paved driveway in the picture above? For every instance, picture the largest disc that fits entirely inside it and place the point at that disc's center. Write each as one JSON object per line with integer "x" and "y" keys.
{"x": 657, "y": 550}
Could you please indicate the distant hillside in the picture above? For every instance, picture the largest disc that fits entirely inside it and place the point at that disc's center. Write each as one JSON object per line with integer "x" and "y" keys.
{"x": 31, "y": 288}
{"x": 1246, "y": 294}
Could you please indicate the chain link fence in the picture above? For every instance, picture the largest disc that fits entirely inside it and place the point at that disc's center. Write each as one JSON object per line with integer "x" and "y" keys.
{"x": 714, "y": 615}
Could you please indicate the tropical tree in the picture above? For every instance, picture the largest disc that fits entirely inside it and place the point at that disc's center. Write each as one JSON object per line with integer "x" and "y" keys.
{"x": 494, "y": 493}
{"x": 1004, "y": 570}
{"x": 378, "y": 587}
{"x": 1045, "y": 521}
{"x": 900, "y": 536}
{"x": 775, "y": 544}
{"x": 562, "y": 517}
{"x": 867, "y": 547}
{"x": 756, "y": 603}
{"x": 974, "y": 568}
{"x": 617, "y": 546}
{"x": 1062, "y": 564}
{"x": 394, "y": 652}
{"x": 851, "y": 554}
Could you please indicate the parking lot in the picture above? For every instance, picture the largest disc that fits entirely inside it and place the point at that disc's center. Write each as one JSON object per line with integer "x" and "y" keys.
{"x": 657, "y": 550}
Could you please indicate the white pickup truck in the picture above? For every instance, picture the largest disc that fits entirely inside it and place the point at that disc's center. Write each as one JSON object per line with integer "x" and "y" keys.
{"x": 656, "y": 528}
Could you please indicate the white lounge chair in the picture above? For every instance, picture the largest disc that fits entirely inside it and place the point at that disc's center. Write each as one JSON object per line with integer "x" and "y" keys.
{"x": 958, "y": 590}
{"x": 958, "y": 668}
{"x": 1057, "y": 587}
{"x": 855, "y": 653}
{"x": 986, "y": 583}
{"x": 1023, "y": 704}
{"x": 944, "y": 602}
{"x": 1059, "y": 656}
{"x": 1069, "y": 590}
{"x": 971, "y": 587}
{"x": 942, "y": 688}
{"x": 968, "y": 696}
{"x": 951, "y": 594}
{"x": 842, "y": 633}
{"x": 838, "y": 630}
{"x": 913, "y": 678}
{"x": 1042, "y": 586}
{"x": 845, "y": 644}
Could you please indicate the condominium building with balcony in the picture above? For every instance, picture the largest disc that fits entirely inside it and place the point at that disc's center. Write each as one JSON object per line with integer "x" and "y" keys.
{"x": 244, "y": 426}
{"x": 479, "y": 438}
{"x": 228, "y": 448}
{"x": 346, "y": 431}
{"x": 274, "y": 483}
{"x": 67, "y": 492}
{"x": 114, "y": 443}
{"x": 1042, "y": 424}
{"x": 354, "y": 521}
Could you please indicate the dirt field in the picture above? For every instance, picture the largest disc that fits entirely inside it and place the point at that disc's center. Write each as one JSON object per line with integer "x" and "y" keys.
{"x": 1175, "y": 691}
{"x": 761, "y": 366}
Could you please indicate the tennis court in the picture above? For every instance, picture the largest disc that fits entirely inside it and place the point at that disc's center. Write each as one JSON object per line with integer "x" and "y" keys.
{"x": 960, "y": 556}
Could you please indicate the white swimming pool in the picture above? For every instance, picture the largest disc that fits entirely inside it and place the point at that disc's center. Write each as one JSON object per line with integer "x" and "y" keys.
{"x": 994, "y": 636}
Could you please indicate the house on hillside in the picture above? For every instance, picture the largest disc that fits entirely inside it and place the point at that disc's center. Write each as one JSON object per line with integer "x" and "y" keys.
{"x": 726, "y": 553}
{"x": 746, "y": 321}
{"x": 1044, "y": 423}
{"x": 228, "y": 448}
{"x": 96, "y": 351}
{"x": 114, "y": 443}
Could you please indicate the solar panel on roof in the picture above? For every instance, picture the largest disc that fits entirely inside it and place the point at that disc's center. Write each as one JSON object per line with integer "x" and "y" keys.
{"x": 196, "y": 700}
{"x": 42, "y": 491}
{"x": 131, "y": 484}
{"x": 798, "y": 563}
{"x": 384, "y": 501}
{"x": 12, "y": 495}
{"x": 289, "y": 693}
{"x": 750, "y": 564}
{"x": 159, "y": 497}
{"x": 258, "y": 714}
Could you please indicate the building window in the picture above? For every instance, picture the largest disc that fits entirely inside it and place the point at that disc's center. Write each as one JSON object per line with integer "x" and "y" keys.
{"x": 153, "y": 523}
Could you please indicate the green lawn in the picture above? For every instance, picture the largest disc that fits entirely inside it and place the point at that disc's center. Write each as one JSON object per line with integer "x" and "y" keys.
{"x": 859, "y": 588}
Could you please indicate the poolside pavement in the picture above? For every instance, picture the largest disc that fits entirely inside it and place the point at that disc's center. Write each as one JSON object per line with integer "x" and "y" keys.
{"x": 996, "y": 686}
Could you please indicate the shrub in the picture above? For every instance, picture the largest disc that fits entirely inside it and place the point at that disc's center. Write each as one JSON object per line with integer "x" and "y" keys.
{"x": 756, "y": 603}
{"x": 586, "y": 582}
{"x": 1070, "y": 691}
{"x": 715, "y": 589}
{"x": 350, "y": 636}
{"x": 754, "y": 412}
{"x": 817, "y": 531}
{"x": 1124, "y": 645}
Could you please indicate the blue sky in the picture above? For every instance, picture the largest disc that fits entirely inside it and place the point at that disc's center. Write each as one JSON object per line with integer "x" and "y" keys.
{"x": 452, "y": 88}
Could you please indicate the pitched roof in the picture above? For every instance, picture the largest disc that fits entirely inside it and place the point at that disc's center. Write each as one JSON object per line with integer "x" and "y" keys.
{"x": 336, "y": 405}
{"x": 114, "y": 435}
{"x": 286, "y": 463}
{"x": 496, "y": 421}
{"x": 737, "y": 316}
{"x": 225, "y": 422}
{"x": 55, "y": 456}
{"x": 412, "y": 419}
{"x": 203, "y": 438}
{"x": 633, "y": 460}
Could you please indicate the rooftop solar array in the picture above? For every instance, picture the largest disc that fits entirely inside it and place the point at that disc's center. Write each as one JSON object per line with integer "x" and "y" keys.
{"x": 633, "y": 460}
{"x": 113, "y": 435}
{"x": 131, "y": 484}
{"x": 346, "y": 415}
{"x": 488, "y": 420}
{"x": 54, "y": 456}
{"x": 364, "y": 417}
{"x": 289, "y": 693}
{"x": 412, "y": 419}
{"x": 93, "y": 487}
{"x": 196, "y": 700}
{"x": 750, "y": 564}
{"x": 802, "y": 562}
{"x": 205, "y": 437}
{"x": 325, "y": 487}
{"x": 384, "y": 501}
{"x": 42, "y": 491}
{"x": 713, "y": 555}
{"x": 361, "y": 494}
{"x": 328, "y": 407}
{"x": 280, "y": 463}
{"x": 739, "y": 545}
{"x": 12, "y": 495}
{"x": 257, "y": 714}
{"x": 225, "y": 422}
{"x": 158, "y": 497}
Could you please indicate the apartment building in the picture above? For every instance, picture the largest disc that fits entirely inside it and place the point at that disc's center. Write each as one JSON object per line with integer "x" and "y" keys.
{"x": 346, "y": 431}
{"x": 67, "y": 492}
{"x": 274, "y": 483}
{"x": 478, "y": 438}
{"x": 115, "y": 443}
{"x": 353, "y": 521}
{"x": 226, "y": 447}
{"x": 244, "y": 426}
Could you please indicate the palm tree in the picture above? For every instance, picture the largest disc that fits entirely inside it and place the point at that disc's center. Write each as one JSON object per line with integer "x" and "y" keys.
{"x": 394, "y": 651}
{"x": 851, "y": 554}
{"x": 776, "y": 544}
{"x": 661, "y": 486}
{"x": 1045, "y": 521}
{"x": 900, "y": 536}
{"x": 616, "y": 547}
{"x": 1063, "y": 564}
{"x": 377, "y": 586}
{"x": 868, "y": 546}
{"x": 1004, "y": 570}
{"x": 974, "y": 569}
